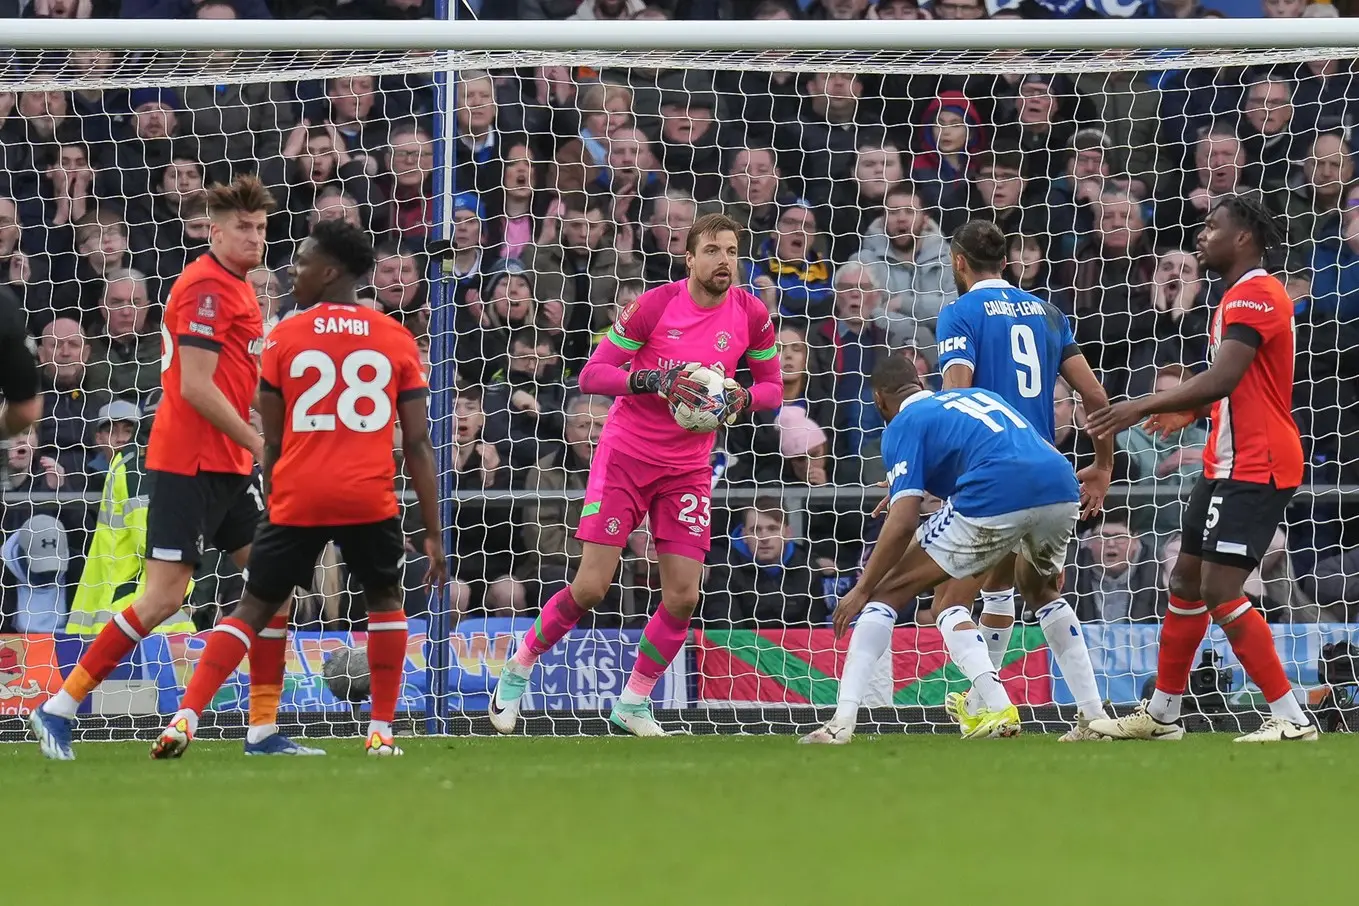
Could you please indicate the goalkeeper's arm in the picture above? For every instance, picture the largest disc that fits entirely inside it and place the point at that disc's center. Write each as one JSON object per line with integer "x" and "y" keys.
{"x": 607, "y": 374}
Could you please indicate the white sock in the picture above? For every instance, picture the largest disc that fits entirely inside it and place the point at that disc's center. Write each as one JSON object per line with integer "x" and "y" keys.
{"x": 1164, "y": 706}
{"x": 1000, "y": 604}
{"x": 260, "y": 733}
{"x": 967, "y": 649}
{"x": 629, "y": 697}
{"x": 62, "y": 705}
{"x": 1288, "y": 708}
{"x": 188, "y": 715}
{"x": 1067, "y": 644}
{"x": 380, "y": 727}
{"x": 997, "y": 643}
{"x": 871, "y": 638}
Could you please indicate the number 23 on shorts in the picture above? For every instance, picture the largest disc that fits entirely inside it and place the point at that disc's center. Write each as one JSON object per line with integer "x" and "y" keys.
{"x": 695, "y": 512}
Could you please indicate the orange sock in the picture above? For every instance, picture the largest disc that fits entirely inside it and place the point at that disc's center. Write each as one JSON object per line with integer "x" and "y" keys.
{"x": 1184, "y": 627}
{"x": 386, "y": 657}
{"x": 268, "y": 655}
{"x": 227, "y": 644}
{"x": 113, "y": 643}
{"x": 1253, "y": 643}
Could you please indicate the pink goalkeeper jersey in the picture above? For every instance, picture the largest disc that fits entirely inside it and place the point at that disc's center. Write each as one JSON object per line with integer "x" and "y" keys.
{"x": 665, "y": 328}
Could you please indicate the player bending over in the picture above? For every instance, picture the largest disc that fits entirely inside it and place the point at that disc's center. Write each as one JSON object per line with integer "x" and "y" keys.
{"x": 1004, "y": 488}
{"x": 1013, "y": 345}
{"x": 1251, "y": 467}
{"x": 200, "y": 464}
{"x": 334, "y": 375}
{"x": 647, "y": 465}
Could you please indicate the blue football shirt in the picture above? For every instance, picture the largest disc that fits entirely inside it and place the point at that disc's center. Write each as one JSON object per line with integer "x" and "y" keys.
{"x": 1014, "y": 341}
{"x": 970, "y": 447}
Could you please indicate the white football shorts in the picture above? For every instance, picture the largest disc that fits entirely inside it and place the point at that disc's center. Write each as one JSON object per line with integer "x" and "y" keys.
{"x": 970, "y": 545}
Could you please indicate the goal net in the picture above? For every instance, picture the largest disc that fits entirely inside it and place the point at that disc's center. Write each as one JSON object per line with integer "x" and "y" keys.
{"x": 524, "y": 182}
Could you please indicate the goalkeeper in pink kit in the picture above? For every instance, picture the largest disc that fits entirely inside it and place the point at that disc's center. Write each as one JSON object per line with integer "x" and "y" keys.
{"x": 647, "y": 465}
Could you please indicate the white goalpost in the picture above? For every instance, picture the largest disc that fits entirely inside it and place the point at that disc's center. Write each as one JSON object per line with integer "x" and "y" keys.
{"x": 525, "y": 180}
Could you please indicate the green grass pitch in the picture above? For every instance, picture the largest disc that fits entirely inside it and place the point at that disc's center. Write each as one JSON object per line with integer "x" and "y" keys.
{"x": 693, "y": 821}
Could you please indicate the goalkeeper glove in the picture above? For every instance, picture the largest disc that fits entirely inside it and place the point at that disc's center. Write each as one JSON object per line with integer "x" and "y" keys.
{"x": 675, "y": 384}
{"x": 738, "y": 401}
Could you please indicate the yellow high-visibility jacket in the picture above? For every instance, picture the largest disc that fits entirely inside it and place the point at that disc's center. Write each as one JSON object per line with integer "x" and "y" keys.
{"x": 114, "y": 568}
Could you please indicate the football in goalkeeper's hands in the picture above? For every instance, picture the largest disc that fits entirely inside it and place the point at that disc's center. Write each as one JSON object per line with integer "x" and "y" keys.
{"x": 346, "y": 674}
{"x": 702, "y": 419}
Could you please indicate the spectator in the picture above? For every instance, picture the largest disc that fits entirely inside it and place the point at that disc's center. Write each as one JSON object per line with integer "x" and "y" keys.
{"x": 751, "y": 195}
{"x": 114, "y": 429}
{"x": 631, "y": 179}
{"x": 38, "y": 555}
{"x": 788, "y": 272}
{"x": 67, "y": 185}
{"x": 856, "y": 205}
{"x": 959, "y": 9}
{"x": 1074, "y": 194}
{"x": 354, "y": 108}
{"x": 410, "y": 160}
{"x": 508, "y": 304}
{"x": 1042, "y": 125}
{"x": 311, "y": 160}
{"x": 334, "y": 203}
{"x": 1167, "y": 467}
{"x": 517, "y": 213}
{"x": 399, "y": 282}
{"x": 1219, "y": 170}
{"x": 667, "y": 233}
{"x": 822, "y": 143}
{"x": 523, "y": 405}
{"x": 910, "y": 259}
{"x": 72, "y": 395}
{"x": 1071, "y": 439}
{"x": 242, "y": 124}
{"x": 101, "y": 245}
{"x": 551, "y": 549}
{"x": 1274, "y": 588}
{"x": 144, "y": 143}
{"x": 1269, "y": 138}
{"x": 482, "y": 542}
{"x": 1334, "y": 584}
{"x": 477, "y": 167}
{"x": 999, "y": 193}
{"x": 761, "y": 577}
{"x": 805, "y": 448}
{"x": 129, "y": 348}
{"x": 1179, "y": 298}
{"x": 1318, "y": 190}
{"x": 845, "y": 349}
{"x": 1115, "y": 580}
{"x": 605, "y": 108}
{"x": 608, "y": 10}
{"x": 467, "y": 251}
{"x": 1112, "y": 279}
{"x": 582, "y": 269}
{"x": 1029, "y": 267}
{"x": 271, "y": 286}
{"x": 951, "y": 131}
{"x": 690, "y": 142}
{"x": 1335, "y": 268}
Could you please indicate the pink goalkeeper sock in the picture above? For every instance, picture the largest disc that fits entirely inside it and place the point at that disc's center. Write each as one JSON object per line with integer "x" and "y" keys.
{"x": 661, "y": 640}
{"x": 558, "y": 615}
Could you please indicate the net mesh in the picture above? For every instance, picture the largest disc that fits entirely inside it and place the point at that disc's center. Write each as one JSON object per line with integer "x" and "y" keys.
{"x": 574, "y": 179}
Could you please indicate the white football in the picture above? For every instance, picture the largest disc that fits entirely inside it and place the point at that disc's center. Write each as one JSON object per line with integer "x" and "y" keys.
{"x": 702, "y": 420}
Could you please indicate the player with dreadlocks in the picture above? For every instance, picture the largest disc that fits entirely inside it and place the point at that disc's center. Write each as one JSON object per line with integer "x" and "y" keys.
{"x": 1251, "y": 467}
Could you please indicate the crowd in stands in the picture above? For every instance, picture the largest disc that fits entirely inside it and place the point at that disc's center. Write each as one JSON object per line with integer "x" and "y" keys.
{"x": 572, "y": 194}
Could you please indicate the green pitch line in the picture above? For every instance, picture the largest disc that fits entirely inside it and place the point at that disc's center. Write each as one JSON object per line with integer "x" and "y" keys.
{"x": 686, "y": 821}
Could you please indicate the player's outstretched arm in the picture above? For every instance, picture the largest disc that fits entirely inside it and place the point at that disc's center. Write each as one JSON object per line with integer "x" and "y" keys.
{"x": 1094, "y": 479}
{"x": 269, "y": 403}
{"x": 20, "y": 405}
{"x": 902, "y": 520}
{"x": 196, "y": 368}
{"x": 418, "y": 453}
{"x": 1233, "y": 358}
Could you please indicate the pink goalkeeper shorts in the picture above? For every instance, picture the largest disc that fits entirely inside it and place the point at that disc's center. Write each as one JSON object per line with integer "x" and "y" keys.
{"x": 623, "y": 488}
